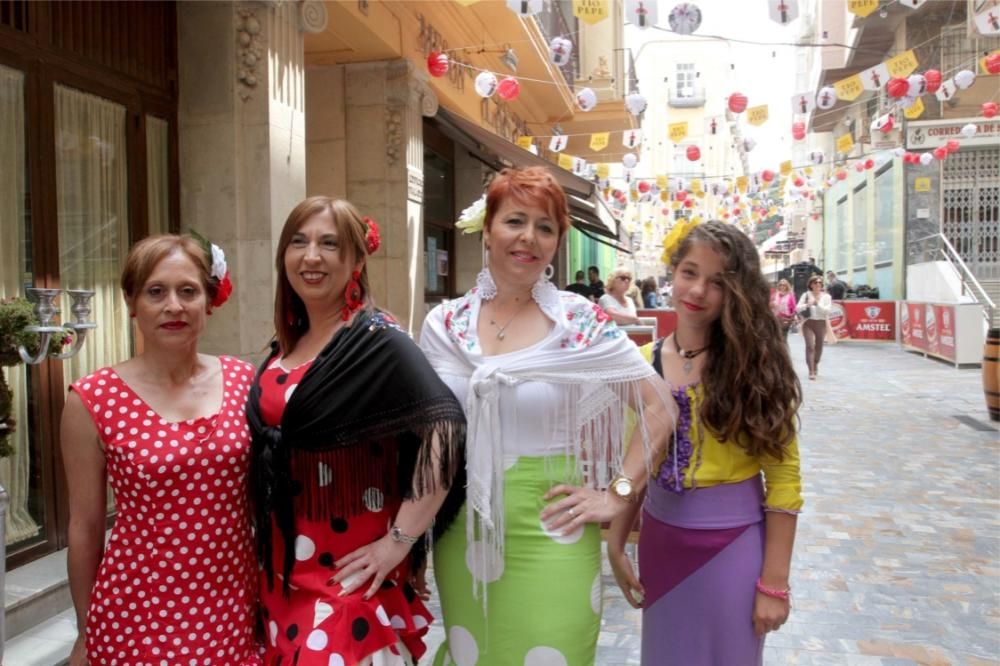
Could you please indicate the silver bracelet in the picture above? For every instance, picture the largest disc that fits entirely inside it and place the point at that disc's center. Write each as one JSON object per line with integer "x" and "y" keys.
{"x": 399, "y": 536}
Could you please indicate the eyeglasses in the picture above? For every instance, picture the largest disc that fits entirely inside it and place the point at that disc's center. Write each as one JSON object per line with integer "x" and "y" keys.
{"x": 625, "y": 278}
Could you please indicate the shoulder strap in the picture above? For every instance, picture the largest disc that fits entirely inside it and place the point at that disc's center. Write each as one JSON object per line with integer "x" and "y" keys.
{"x": 657, "y": 364}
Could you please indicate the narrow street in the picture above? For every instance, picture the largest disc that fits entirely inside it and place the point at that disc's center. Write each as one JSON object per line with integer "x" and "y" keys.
{"x": 896, "y": 560}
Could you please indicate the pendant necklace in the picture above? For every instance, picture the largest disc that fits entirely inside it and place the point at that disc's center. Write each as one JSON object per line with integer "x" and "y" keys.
{"x": 687, "y": 355}
{"x": 500, "y": 329}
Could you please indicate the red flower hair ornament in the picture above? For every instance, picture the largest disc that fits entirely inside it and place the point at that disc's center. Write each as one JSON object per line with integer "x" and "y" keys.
{"x": 219, "y": 270}
{"x": 372, "y": 238}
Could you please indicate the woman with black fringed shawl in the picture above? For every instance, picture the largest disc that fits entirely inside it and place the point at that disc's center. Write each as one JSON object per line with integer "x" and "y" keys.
{"x": 355, "y": 445}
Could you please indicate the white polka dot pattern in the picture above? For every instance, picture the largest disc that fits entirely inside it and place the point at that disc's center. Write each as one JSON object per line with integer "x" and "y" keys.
{"x": 176, "y": 582}
{"x": 544, "y": 656}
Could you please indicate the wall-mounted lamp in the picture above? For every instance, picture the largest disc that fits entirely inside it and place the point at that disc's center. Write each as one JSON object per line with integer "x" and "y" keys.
{"x": 46, "y": 311}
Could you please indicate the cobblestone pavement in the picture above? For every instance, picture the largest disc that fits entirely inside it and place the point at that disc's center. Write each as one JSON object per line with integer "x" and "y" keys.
{"x": 897, "y": 559}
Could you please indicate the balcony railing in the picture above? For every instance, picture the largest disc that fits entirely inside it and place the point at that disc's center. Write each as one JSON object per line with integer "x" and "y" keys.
{"x": 687, "y": 97}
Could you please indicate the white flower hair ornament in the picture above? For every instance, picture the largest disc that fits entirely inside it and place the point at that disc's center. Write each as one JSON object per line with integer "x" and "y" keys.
{"x": 219, "y": 269}
{"x": 473, "y": 218}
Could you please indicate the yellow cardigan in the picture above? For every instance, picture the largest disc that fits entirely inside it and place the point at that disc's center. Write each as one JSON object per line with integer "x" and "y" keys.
{"x": 714, "y": 462}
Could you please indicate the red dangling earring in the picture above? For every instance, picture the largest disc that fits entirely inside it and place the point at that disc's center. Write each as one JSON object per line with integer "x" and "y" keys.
{"x": 352, "y": 296}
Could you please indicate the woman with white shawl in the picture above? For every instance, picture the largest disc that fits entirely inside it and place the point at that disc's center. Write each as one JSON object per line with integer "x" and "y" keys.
{"x": 551, "y": 387}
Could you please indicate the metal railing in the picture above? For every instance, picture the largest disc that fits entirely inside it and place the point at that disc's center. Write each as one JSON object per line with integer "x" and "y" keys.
{"x": 936, "y": 247}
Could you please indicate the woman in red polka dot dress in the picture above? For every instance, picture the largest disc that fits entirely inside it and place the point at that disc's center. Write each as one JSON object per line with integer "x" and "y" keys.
{"x": 175, "y": 583}
{"x": 355, "y": 444}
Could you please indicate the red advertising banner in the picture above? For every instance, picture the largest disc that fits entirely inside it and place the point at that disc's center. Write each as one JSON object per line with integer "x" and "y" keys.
{"x": 928, "y": 328}
{"x": 864, "y": 320}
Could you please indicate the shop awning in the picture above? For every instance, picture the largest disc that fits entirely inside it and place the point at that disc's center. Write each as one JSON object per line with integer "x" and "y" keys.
{"x": 587, "y": 209}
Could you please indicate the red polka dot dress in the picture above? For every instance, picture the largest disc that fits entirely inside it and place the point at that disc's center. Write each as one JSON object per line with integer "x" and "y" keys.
{"x": 177, "y": 583}
{"x": 313, "y": 625}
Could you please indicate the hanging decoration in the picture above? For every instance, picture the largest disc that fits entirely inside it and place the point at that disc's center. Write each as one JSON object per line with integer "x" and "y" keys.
{"x": 798, "y": 131}
{"x": 749, "y": 144}
{"x": 509, "y": 89}
{"x": 642, "y": 13}
{"x": 946, "y": 91}
{"x": 916, "y": 85}
{"x": 912, "y": 4}
{"x": 737, "y": 102}
{"x": 989, "y": 109}
{"x": 485, "y": 84}
{"x": 933, "y": 79}
{"x": 757, "y": 115}
{"x": 629, "y": 160}
{"x": 926, "y": 158}
{"x": 557, "y": 144}
{"x": 437, "y": 64}
{"x": 826, "y": 98}
{"x": 677, "y": 132}
{"x": 632, "y": 138}
{"x": 992, "y": 62}
{"x": 849, "y": 89}
{"x": 952, "y": 145}
{"x": 783, "y": 11}
{"x": 968, "y": 130}
{"x": 941, "y": 153}
{"x": 965, "y": 78}
{"x": 693, "y": 153}
{"x": 685, "y": 18}
{"x": 897, "y": 87}
{"x": 803, "y": 103}
{"x": 767, "y": 175}
{"x": 560, "y": 50}
{"x": 987, "y": 21}
{"x": 590, "y": 12}
{"x": 586, "y": 99}
{"x": 884, "y": 123}
{"x": 874, "y": 77}
{"x": 599, "y": 141}
{"x": 525, "y": 7}
{"x": 914, "y": 108}
{"x": 635, "y": 103}
{"x": 862, "y": 8}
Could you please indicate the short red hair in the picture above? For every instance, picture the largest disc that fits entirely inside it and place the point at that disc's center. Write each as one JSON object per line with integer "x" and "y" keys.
{"x": 533, "y": 186}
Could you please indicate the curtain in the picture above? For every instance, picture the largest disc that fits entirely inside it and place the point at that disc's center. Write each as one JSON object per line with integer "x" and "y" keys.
{"x": 15, "y": 472}
{"x": 158, "y": 174}
{"x": 92, "y": 208}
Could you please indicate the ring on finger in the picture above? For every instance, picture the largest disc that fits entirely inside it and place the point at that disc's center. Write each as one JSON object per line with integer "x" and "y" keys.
{"x": 572, "y": 511}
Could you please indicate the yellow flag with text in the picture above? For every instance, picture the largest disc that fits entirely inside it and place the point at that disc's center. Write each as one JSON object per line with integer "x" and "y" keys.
{"x": 677, "y": 131}
{"x": 603, "y": 170}
{"x": 902, "y": 65}
{"x": 849, "y": 89}
{"x": 757, "y": 115}
{"x": 590, "y": 11}
{"x": 525, "y": 142}
{"x": 565, "y": 161}
{"x": 915, "y": 111}
{"x": 861, "y": 8}
{"x": 844, "y": 143}
{"x": 599, "y": 141}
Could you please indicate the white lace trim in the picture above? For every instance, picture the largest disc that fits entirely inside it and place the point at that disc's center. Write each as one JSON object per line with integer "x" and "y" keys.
{"x": 543, "y": 292}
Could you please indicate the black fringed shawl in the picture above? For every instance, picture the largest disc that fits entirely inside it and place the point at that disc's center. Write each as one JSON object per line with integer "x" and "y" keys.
{"x": 370, "y": 384}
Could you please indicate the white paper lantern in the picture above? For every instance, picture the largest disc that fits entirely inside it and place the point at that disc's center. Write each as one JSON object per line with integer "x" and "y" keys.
{"x": 560, "y": 50}
{"x": 685, "y": 18}
{"x": 965, "y": 78}
{"x": 969, "y": 130}
{"x": 826, "y": 97}
{"x": 917, "y": 85}
{"x": 906, "y": 101}
{"x": 749, "y": 144}
{"x": 525, "y": 7}
{"x": 486, "y": 84}
{"x": 899, "y": 152}
{"x": 586, "y": 99}
{"x": 635, "y": 103}
{"x": 816, "y": 157}
{"x": 926, "y": 158}
{"x": 630, "y": 160}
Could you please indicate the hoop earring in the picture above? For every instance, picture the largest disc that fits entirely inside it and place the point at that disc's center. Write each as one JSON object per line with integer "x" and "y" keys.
{"x": 550, "y": 270}
{"x": 352, "y": 296}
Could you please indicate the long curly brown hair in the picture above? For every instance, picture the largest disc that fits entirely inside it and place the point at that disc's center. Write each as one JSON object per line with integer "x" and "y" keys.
{"x": 752, "y": 393}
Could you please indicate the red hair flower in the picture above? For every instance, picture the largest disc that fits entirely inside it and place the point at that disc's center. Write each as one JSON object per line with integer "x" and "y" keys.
{"x": 372, "y": 239}
{"x": 224, "y": 292}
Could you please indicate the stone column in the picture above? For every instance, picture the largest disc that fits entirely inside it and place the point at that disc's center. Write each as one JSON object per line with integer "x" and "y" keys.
{"x": 242, "y": 147}
{"x": 384, "y": 107}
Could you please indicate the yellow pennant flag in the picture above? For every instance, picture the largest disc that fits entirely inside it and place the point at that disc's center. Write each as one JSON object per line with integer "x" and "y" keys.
{"x": 902, "y": 65}
{"x": 525, "y": 142}
{"x": 849, "y": 89}
{"x": 862, "y": 8}
{"x": 677, "y": 131}
{"x": 661, "y": 182}
{"x": 915, "y": 111}
{"x": 603, "y": 170}
{"x": 466, "y": 3}
{"x": 844, "y": 143}
{"x": 741, "y": 183}
{"x": 590, "y": 11}
{"x": 757, "y": 115}
{"x": 565, "y": 161}
{"x": 786, "y": 167}
{"x": 599, "y": 141}
{"x": 696, "y": 185}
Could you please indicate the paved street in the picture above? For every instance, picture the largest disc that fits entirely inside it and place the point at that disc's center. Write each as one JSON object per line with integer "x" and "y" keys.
{"x": 898, "y": 555}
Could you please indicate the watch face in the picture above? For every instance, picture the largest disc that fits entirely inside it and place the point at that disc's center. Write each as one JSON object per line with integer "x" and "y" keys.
{"x": 623, "y": 487}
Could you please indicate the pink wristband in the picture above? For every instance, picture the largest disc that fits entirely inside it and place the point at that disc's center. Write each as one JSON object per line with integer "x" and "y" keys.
{"x": 773, "y": 593}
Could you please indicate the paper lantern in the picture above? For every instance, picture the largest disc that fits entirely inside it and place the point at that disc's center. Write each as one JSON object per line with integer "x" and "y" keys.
{"x": 952, "y": 145}
{"x": 635, "y": 103}
{"x": 993, "y": 63}
{"x": 437, "y": 64}
{"x": 681, "y": 196}
{"x": 525, "y": 7}
{"x": 859, "y": 166}
{"x": 969, "y": 129}
{"x": 899, "y": 151}
{"x": 941, "y": 153}
{"x": 693, "y": 153}
{"x": 916, "y": 85}
{"x": 869, "y": 163}
{"x": 485, "y": 84}
{"x": 964, "y": 79}
{"x": 685, "y": 18}
{"x": 560, "y": 50}
{"x": 509, "y": 89}
{"x": 586, "y": 99}
{"x": 989, "y": 109}
{"x": 816, "y": 157}
{"x": 737, "y": 102}
{"x": 629, "y": 160}
{"x": 798, "y": 131}
{"x": 933, "y": 78}
{"x": 926, "y": 158}
{"x": 897, "y": 87}
{"x": 906, "y": 101}
{"x": 798, "y": 182}
{"x": 748, "y": 144}
{"x": 767, "y": 175}
{"x": 643, "y": 186}
{"x": 689, "y": 203}
{"x": 826, "y": 97}
{"x": 841, "y": 175}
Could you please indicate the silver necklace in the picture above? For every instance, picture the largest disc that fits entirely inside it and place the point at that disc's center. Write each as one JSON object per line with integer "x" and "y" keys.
{"x": 500, "y": 329}
{"x": 687, "y": 355}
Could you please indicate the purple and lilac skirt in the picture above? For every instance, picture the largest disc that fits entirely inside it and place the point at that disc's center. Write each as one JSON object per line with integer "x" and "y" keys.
{"x": 700, "y": 555}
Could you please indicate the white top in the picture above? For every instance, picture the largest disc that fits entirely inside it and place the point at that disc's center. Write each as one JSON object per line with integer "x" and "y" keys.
{"x": 611, "y": 304}
{"x": 811, "y": 308}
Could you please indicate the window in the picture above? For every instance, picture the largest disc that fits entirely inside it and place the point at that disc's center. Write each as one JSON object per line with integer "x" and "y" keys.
{"x": 860, "y": 226}
{"x": 686, "y": 76}
{"x": 884, "y": 220}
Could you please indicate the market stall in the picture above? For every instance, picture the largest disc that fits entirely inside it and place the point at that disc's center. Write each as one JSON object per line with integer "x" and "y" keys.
{"x": 952, "y": 332}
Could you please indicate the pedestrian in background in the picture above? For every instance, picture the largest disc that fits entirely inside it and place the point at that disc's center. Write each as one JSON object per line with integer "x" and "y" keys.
{"x": 814, "y": 308}
{"x": 650, "y": 299}
{"x": 783, "y": 306}
{"x": 580, "y": 287}
{"x": 596, "y": 286}
{"x": 175, "y": 582}
{"x": 355, "y": 441}
{"x": 616, "y": 302}
{"x": 520, "y": 573}
{"x": 835, "y": 287}
{"x": 720, "y": 515}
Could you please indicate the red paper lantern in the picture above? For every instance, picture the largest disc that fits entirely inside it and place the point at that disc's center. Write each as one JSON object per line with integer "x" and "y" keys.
{"x": 737, "y": 212}
{"x": 869, "y": 163}
{"x": 736, "y": 198}
{"x": 798, "y": 182}
{"x": 798, "y": 131}
{"x": 859, "y": 166}
{"x": 933, "y": 78}
{"x": 952, "y": 145}
{"x": 993, "y": 63}
{"x": 767, "y": 175}
{"x": 989, "y": 109}
{"x": 737, "y": 102}
{"x": 509, "y": 89}
{"x": 689, "y": 203}
{"x": 897, "y": 87}
{"x": 693, "y": 153}
{"x": 665, "y": 211}
{"x": 437, "y": 64}
{"x": 941, "y": 152}
{"x": 681, "y": 196}
{"x": 643, "y": 186}
{"x": 841, "y": 175}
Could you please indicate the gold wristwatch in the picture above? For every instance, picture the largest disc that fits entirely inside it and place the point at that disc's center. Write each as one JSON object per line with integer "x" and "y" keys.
{"x": 622, "y": 487}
